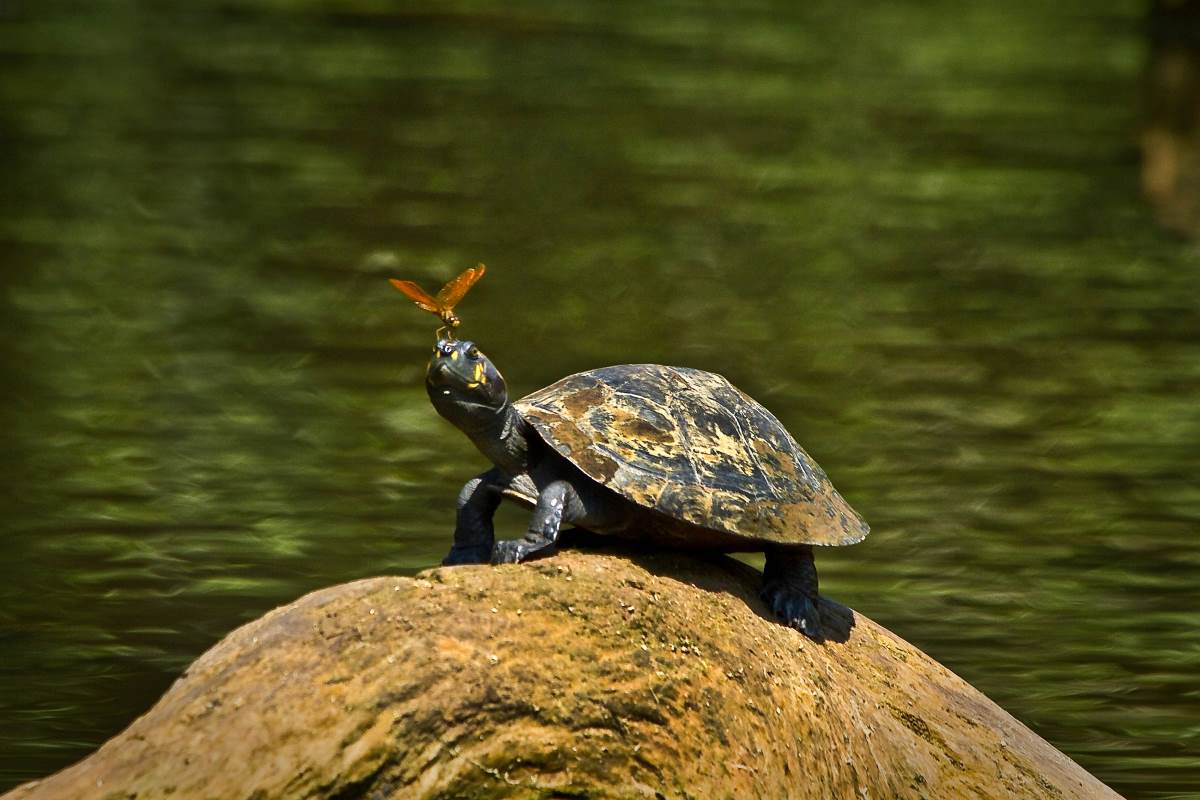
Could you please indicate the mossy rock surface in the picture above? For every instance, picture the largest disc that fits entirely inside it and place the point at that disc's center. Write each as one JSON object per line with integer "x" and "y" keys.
{"x": 583, "y": 675}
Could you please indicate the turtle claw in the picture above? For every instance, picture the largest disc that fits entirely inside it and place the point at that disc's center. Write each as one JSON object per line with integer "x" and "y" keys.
{"x": 514, "y": 551}
{"x": 793, "y": 608}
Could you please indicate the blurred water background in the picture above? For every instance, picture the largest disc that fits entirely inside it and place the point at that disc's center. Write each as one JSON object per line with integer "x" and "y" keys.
{"x": 911, "y": 229}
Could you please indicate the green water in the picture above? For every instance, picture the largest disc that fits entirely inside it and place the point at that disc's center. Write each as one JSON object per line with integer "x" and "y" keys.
{"x": 911, "y": 229}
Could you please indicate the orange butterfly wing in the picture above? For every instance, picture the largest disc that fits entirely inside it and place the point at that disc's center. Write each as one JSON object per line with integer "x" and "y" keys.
{"x": 417, "y": 295}
{"x": 454, "y": 291}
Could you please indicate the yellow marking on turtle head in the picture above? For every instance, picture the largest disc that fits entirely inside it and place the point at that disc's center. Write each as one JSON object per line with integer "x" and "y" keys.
{"x": 454, "y": 355}
{"x": 479, "y": 374}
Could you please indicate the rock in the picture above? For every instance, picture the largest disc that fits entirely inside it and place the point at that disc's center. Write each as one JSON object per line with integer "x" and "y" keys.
{"x": 583, "y": 675}
{"x": 1170, "y": 138}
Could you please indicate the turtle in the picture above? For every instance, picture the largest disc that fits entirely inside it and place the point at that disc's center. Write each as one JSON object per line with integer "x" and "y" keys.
{"x": 673, "y": 457}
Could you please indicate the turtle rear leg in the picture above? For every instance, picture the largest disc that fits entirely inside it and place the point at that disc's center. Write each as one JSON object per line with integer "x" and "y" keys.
{"x": 790, "y": 588}
{"x": 556, "y": 502}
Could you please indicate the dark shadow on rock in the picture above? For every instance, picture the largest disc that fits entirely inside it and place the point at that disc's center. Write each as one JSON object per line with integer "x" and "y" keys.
{"x": 733, "y": 576}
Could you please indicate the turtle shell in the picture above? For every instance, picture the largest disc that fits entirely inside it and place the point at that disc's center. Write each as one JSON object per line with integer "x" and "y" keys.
{"x": 690, "y": 445}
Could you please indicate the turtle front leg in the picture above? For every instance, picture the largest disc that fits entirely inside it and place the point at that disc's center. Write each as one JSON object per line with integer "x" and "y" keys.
{"x": 558, "y": 500}
{"x": 790, "y": 588}
{"x": 473, "y": 531}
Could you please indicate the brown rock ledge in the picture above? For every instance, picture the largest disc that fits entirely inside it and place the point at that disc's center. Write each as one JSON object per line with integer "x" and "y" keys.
{"x": 583, "y": 675}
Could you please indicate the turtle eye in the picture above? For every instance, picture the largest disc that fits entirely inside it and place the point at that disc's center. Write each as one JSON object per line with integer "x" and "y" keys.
{"x": 473, "y": 352}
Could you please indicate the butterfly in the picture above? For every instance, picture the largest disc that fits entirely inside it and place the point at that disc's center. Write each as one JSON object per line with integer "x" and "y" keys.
{"x": 445, "y": 301}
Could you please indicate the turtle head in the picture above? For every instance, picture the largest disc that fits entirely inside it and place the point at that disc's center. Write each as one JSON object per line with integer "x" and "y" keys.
{"x": 463, "y": 384}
